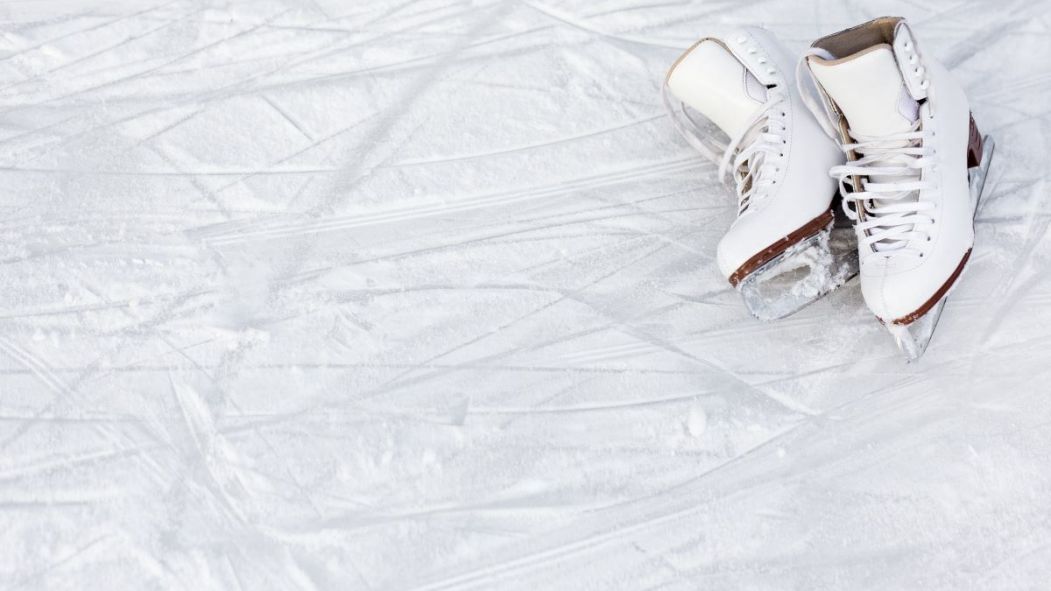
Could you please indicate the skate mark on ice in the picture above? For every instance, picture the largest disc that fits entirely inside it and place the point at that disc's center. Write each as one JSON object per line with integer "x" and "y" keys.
{"x": 57, "y": 564}
{"x": 89, "y": 56}
{"x": 265, "y": 232}
{"x": 43, "y": 373}
{"x": 1011, "y": 290}
{"x": 637, "y": 515}
{"x": 402, "y": 379}
{"x": 583, "y": 25}
{"x": 526, "y": 147}
{"x": 88, "y": 29}
{"x": 137, "y": 76}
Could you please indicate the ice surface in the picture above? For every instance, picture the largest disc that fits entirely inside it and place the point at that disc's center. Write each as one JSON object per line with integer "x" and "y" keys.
{"x": 420, "y": 295}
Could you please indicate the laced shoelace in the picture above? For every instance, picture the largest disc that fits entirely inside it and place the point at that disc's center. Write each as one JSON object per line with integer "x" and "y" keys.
{"x": 753, "y": 155}
{"x": 887, "y": 207}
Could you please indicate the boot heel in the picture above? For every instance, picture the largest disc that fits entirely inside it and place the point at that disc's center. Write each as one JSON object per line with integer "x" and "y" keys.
{"x": 974, "y": 146}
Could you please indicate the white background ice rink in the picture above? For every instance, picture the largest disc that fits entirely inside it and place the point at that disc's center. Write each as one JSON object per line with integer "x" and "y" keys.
{"x": 329, "y": 294}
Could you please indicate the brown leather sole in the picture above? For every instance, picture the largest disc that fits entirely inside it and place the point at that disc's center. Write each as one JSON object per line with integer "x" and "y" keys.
{"x": 774, "y": 250}
{"x": 974, "y": 158}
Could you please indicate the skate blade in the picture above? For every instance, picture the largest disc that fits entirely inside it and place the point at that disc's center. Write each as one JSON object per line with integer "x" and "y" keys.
{"x": 802, "y": 274}
{"x": 912, "y": 339}
{"x": 698, "y": 131}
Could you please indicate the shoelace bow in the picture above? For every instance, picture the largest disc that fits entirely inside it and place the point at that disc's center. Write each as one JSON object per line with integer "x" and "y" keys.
{"x": 887, "y": 207}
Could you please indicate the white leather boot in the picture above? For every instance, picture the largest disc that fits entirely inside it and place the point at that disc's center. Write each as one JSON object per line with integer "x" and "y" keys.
{"x": 916, "y": 169}
{"x": 733, "y": 97}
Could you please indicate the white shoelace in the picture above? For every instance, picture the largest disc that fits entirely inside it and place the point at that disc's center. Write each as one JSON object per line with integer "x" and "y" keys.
{"x": 753, "y": 156}
{"x": 887, "y": 207}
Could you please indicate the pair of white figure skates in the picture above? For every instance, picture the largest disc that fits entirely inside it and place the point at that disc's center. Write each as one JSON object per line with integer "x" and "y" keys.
{"x": 865, "y": 106}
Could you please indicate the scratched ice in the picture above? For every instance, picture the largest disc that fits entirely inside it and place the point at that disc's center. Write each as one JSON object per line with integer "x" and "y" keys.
{"x": 420, "y": 295}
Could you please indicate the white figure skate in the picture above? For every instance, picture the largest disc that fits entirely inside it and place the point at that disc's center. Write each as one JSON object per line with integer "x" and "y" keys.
{"x": 915, "y": 173}
{"x": 734, "y": 98}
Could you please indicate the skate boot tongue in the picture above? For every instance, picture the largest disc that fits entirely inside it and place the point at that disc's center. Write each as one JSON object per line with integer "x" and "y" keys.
{"x": 869, "y": 91}
{"x": 715, "y": 83}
